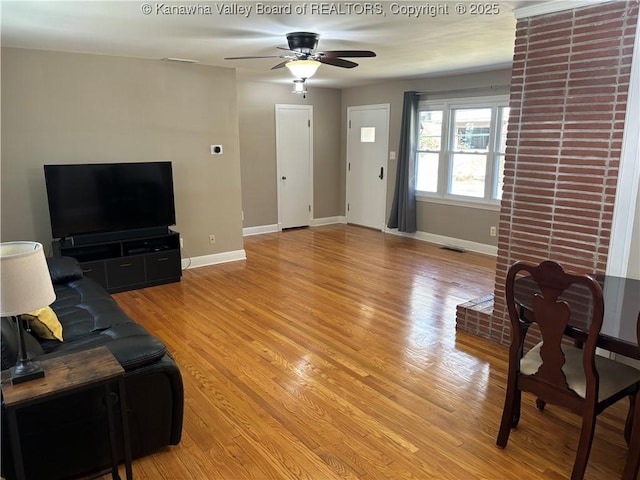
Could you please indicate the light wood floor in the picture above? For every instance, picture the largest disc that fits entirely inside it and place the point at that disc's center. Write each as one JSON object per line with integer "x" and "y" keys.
{"x": 331, "y": 353}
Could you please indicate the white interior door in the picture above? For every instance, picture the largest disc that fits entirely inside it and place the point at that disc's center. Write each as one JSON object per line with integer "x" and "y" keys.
{"x": 367, "y": 150}
{"x": 294, "y": 153}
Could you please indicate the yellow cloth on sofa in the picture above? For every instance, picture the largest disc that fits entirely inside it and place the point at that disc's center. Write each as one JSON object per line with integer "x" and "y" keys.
{"x": 45, "y": 324}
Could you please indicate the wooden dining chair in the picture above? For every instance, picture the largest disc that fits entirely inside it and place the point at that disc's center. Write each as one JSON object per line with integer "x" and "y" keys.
{"x": 555, "y": 371}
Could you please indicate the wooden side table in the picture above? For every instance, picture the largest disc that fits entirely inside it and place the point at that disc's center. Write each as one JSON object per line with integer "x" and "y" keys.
{"x": 66, "y": 375}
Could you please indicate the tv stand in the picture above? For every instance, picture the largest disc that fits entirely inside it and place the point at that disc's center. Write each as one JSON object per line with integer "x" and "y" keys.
{"x": 122, "y": 261}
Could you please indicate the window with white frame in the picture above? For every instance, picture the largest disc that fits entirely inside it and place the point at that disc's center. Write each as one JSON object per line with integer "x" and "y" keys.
{"x": 461, "y": 146}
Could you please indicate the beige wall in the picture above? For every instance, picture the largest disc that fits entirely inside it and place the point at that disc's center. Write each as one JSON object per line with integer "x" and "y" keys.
{"x": 256, "y": 103}
{"x": 78, "y": 108}
{"x": 471, "y": 224}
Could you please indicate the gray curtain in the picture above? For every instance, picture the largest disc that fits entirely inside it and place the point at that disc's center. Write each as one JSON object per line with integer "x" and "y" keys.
{"x": 403, "y": 209}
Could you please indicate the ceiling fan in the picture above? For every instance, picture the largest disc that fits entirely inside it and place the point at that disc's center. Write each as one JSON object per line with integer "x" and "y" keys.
{"x": 302, "y": 59}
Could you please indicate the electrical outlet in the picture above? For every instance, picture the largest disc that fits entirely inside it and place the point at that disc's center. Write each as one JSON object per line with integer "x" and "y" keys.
{"x": 492, "y": 231}
{"x": 212, "y": 239}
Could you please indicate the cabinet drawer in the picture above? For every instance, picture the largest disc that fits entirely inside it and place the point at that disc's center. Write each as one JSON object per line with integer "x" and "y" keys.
{"x": 125, "y": 271}
{"x": 95, "y": 271}
{"x": 163, "y": 265}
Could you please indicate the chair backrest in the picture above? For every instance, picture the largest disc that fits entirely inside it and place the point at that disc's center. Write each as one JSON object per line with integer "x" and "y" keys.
{"x": 552, "y": 298}
{"x": 638, "y": 328}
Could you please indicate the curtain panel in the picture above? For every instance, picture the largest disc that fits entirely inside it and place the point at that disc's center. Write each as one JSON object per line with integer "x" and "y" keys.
{"x": 403, "y": 208}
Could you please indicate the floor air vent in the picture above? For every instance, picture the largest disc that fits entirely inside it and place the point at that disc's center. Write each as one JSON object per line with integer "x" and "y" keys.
{"x": 453, "y": 248}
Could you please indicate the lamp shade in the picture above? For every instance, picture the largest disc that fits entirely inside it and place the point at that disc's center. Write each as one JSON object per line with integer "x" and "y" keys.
{"x": 25, "y": 282}
{"x": 303, "y": 68}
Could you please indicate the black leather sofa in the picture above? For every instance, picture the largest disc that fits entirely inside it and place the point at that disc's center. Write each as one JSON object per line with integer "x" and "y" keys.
{"x": 68, "y": 437}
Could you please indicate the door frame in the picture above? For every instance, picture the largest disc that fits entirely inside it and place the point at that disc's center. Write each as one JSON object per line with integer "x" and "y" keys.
{"x": 309, "y": 109}
{"x": 379, "y": 106}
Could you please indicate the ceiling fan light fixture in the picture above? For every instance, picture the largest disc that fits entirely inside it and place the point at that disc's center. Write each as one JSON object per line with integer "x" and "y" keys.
{"x": 303, "y": 68}
{"x": 299, "y": 87}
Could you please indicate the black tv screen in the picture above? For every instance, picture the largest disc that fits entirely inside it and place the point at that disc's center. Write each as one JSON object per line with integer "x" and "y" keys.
{"x": 109, "y": 197}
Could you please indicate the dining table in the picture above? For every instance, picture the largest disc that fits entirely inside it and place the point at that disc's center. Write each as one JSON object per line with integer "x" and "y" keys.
{"x": 619, "y": 334}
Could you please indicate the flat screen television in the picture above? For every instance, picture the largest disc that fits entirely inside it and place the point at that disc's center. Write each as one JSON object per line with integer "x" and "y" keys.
{"x": 109, "y": 197}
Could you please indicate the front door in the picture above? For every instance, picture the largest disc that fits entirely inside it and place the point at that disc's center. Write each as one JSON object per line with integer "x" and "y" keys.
{"x": 367, "y": 147}
{"x": 294, "y": 149}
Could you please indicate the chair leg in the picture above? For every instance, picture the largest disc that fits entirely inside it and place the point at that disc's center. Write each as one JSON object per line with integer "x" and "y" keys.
{"x": 629, "y": 422}
{"x": 540, "y": 404}
{"x": 584, "y": 445}
{"x": 510, "y": 413}
{"x": 632, "y": 465}
{"x": 515, "y": 417}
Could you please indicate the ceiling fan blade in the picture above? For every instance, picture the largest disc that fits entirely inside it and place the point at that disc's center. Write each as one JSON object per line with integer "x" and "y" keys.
{"x": 348, "y": 53}
{"x": 249, "y": 58}
{"x": 280, "y": 65}
{"x": 302, "y": 46}
{"x": 337, "y": 62}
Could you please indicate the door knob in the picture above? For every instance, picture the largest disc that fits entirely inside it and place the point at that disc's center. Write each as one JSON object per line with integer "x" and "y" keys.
{"x": 381, "y": 176}
{"x": 284, "y": 178}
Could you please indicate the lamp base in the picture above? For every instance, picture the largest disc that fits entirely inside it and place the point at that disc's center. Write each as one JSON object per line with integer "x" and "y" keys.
{"x": 25, "y": 371}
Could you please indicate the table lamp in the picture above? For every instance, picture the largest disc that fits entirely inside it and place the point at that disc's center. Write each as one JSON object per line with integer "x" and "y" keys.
{"x": 25, "y": 285}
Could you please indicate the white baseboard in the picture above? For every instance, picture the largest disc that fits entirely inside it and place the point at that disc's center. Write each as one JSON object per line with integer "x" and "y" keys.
{"x": 423, "y": 236}
{"x": 318, "y": 222}
{"x": 247, "y": 232}
{"x": 448, "y": 241}
{"x": 214, "y": 259}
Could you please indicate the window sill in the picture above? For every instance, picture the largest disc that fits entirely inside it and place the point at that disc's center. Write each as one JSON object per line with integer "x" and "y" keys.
{"x": 481, "y": 205}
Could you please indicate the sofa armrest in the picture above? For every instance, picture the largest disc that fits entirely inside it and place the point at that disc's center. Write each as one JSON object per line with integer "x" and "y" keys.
{"x": 64, "y": 269}
{"x": 130, "y": 344}
{"x": 155, "y": 378}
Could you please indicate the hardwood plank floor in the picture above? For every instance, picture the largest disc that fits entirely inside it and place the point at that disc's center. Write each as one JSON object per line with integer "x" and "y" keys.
{"x": 331, "y": 353}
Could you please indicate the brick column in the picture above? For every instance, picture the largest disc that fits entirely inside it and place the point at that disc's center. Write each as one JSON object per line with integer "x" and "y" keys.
{"x": 569, "y": 86}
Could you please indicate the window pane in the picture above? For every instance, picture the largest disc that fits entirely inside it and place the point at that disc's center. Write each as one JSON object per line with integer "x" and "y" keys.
{"x": 468, "y": 174}
{"x": 497, "y": 194}
{"x": 504, "y": 123}
{"x": 471, "y": 129}
{"x": 430, "y": 130}
{"x": 427, "y": 172}
{"x": 368, "y": 134}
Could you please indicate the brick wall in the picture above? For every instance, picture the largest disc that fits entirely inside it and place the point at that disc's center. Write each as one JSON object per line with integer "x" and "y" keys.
{"x": 569, "y": 87}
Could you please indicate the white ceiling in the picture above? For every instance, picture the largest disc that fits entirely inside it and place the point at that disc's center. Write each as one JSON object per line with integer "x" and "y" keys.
{"x": 406, "y": 46}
